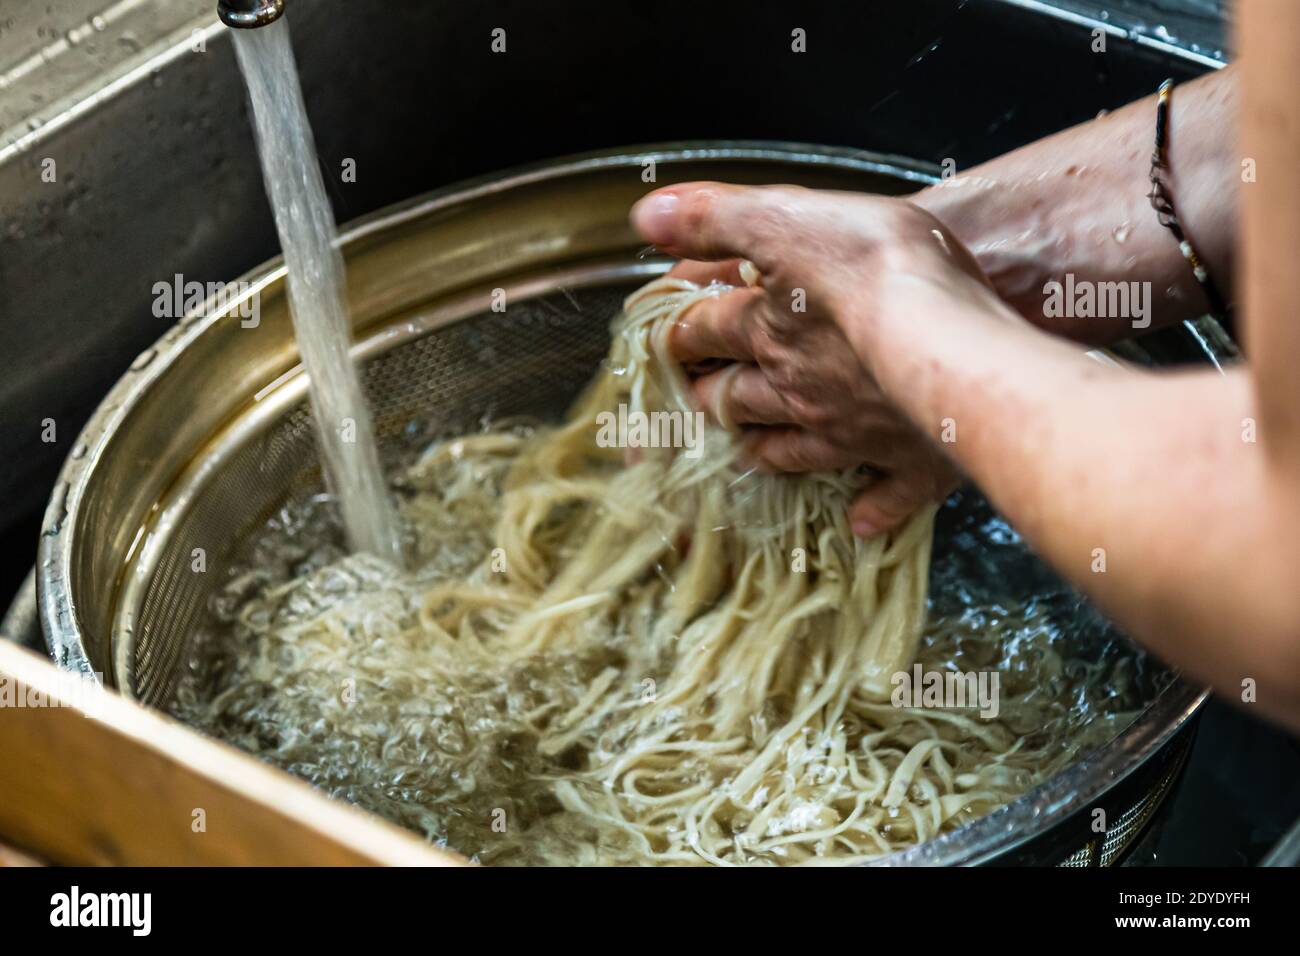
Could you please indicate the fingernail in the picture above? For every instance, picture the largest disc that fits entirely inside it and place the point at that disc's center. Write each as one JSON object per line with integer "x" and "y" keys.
{"x": 864, "y": 529}
{"x": 653, "y": 217}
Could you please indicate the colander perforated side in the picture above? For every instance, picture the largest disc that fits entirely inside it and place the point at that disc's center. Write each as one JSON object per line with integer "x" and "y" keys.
{"x": 531, "y": 359}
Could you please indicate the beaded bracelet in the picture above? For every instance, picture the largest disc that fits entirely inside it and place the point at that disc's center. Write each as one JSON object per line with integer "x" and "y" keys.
{"x": 1163, "y": 203}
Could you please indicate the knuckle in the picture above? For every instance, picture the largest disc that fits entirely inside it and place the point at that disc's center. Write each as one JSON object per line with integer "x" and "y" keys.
{"x": 699, "y": 212}
{"x": 809, "y": 412}
{"x": 775, "y": 218}
{"x": 734, "y": 337}
{"x": 895, "y": 499}
{"x": 794, "y": 457}
{"x": 784, "y": 378}
{"x": 770, "y": 349}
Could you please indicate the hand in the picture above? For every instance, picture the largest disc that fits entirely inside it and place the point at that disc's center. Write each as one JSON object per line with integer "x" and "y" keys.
{"x": 801, "y": 386}
{"x": 1076, "y": 203}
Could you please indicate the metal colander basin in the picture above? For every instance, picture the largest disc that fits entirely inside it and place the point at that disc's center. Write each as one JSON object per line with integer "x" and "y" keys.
{"x": 209, "y": 433}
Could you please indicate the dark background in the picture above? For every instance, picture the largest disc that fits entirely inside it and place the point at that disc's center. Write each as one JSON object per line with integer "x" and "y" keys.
{"x": 163, "y": 179}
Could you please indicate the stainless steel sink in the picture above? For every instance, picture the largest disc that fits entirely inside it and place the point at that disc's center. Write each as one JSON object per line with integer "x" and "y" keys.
{"x": 156, "y": 174}
{"x": 139, "y": 105}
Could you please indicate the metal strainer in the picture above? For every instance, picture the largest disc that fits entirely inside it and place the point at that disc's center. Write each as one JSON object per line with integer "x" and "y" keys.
{"x": 209, "y": 432}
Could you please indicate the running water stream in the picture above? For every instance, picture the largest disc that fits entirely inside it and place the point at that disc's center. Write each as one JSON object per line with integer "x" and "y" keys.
{"x": 316, "y": 289}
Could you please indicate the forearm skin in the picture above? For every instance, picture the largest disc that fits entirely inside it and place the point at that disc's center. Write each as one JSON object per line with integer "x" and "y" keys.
{"x": 1077, "y": 202}
{"x": 1153, "y": 474}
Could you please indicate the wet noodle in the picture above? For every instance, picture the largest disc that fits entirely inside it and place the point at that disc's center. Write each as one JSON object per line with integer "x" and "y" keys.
{"x": 672, "y": 661}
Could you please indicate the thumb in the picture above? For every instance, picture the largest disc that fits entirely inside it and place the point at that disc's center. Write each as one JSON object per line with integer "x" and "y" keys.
{"x": 710, "y": 221}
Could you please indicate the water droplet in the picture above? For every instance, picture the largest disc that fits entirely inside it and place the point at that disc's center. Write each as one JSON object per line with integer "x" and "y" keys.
{"x": 1120, "y": 233}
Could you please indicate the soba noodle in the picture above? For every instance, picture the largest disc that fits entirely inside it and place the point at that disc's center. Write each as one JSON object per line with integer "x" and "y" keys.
{"x": 672, "y": 661}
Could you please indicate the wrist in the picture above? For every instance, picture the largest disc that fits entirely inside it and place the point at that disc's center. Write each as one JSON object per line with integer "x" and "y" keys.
{"x": 925, "y": 323}
{"x": 1074, "y": 207}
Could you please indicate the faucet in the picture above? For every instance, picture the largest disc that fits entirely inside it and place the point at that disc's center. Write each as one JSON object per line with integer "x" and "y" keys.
{"x": 245, "y": 14}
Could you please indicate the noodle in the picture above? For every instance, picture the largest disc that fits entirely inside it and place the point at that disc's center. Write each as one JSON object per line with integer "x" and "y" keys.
{"x": 673, "y": 661}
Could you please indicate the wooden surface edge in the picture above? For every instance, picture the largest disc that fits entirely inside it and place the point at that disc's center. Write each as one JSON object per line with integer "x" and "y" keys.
{"x": 88, "y": 777}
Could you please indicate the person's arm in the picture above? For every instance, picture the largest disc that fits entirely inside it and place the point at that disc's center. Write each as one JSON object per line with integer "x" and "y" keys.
{"x": 1077, "y": 202}
{"x": 1187, "y": 484}
{"x": 1143, "y": 489}
{"x": 1173, "y": 498}
{"x": 1269, "y": 37}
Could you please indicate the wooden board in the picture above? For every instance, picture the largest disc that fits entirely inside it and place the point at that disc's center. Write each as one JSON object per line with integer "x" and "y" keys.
{"x": 92, "y": 778}
{"x": 9, "y": 857}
